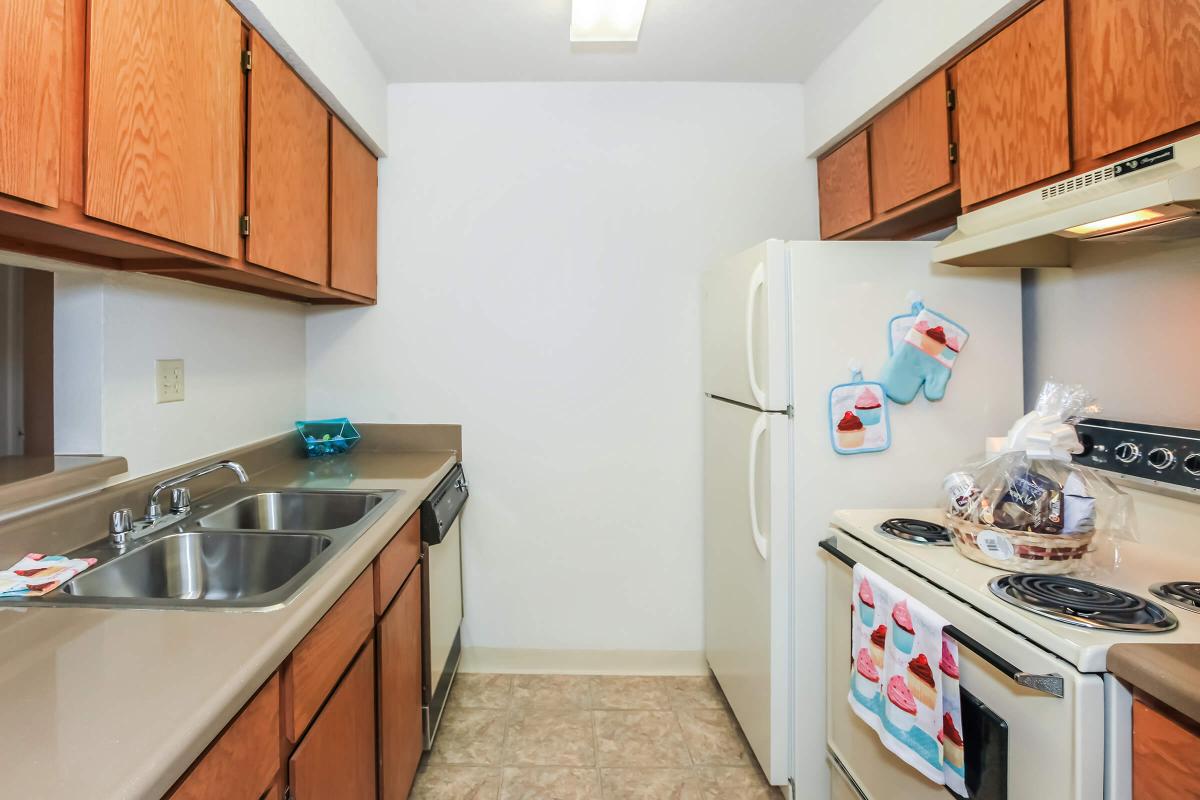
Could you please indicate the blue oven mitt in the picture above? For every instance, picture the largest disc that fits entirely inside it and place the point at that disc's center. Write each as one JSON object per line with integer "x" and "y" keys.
{"x": 925, "y": 358}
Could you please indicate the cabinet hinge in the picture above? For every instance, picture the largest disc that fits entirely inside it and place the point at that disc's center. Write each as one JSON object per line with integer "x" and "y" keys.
{"x": 247, "y": 60}
{"x": 244, "y": 225}
{"x": 951, "y": 99}
{"x": 953, "y": 153}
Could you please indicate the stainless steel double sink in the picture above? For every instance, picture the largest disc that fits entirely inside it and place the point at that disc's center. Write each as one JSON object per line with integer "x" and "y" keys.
{"x": 243, "y": 548}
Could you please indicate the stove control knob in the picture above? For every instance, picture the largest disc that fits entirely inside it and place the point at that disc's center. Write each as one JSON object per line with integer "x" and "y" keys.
{"x": 1127, "y": 452}
{"x": 1160, "y": 458}
{"x": 1191, "y": 465}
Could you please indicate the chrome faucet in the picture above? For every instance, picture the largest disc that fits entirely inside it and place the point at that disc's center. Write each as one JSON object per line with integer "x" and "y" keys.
{"x": 181, "y": 499}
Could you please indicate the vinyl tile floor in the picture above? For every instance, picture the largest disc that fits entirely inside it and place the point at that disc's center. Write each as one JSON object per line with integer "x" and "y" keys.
{"x": 579, "y": 737}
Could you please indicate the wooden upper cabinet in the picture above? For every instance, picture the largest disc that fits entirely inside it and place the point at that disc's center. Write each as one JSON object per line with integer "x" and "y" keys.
{"x": 164, "y": 119}
{"x": 354, "y": 197}
{"x": 1134, "y": 67}
{"x": 844, "y": 187}
{"x": 337, "y": 757}
{"x": 400, "y": 659}
{"x": 910, "y": 146}
{"x": 287, "y": 159}
{"x": 1165, "y": 763}
{"x": 31, "y": 96}
{"x": 1012, "y": 106}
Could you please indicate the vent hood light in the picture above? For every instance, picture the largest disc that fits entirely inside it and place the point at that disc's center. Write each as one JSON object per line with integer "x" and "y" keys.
{"x": 606, "y": 20}
{"x": 1116, "y": 223}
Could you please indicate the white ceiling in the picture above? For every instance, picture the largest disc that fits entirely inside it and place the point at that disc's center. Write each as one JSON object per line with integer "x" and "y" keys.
{"x": 526, "y": 40}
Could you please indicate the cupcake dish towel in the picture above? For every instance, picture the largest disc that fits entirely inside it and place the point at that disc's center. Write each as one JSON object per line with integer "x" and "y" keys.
{"x": 858, "y": 416}
{"x": 904, "y": 679}
{"x": 925, "y": 356}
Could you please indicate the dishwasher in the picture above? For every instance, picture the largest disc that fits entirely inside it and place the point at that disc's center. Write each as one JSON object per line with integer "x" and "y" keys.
{"x": 441, "y": 594}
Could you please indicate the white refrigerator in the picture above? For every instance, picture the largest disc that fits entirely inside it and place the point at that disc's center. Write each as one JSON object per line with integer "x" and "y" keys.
{"x": 781, "y": 323}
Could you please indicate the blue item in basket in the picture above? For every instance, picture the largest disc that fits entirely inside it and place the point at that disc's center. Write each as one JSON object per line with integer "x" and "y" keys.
{"x": 326, "y": 437}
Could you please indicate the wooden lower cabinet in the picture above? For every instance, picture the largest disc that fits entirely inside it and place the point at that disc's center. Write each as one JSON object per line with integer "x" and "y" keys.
{"x": 336, "y": 758}
{"x": 1166, "y": 754}
{"x": 244, "y": 759}
{"x": 400, "y": 658}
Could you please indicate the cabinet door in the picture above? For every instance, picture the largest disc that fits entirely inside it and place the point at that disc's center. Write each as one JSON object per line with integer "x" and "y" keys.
{"x": 354, "y": 197}
{"x": 31, "y": 80}
{"x": 1133, "y": 71}
{"x": 287, "y": 157}
{"x": 1012, "y": 106}
{"x": 910, "y": 146}
{"x": 337, "y": 757}
{"x": 164, "y": 119}
{"x": 844, "y": 187}
{"x": 1164, "y": 756}
{"x": 400, "y": 737}
{"x": 242, "y": 762}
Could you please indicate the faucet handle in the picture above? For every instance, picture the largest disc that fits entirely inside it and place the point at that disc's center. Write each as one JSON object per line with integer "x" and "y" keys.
{"x": 181, "y": 500}
{"x": 120, "y": 525}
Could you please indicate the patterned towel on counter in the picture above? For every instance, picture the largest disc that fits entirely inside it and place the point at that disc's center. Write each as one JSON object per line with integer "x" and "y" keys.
{"x": 904, "y": 679}
{"x": 36, "y": 574}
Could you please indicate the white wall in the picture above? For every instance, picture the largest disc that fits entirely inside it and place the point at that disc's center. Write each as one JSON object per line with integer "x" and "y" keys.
{"x": 890, "y": 51}
{"x": 315, "y": 37}
{"x": 243, "y": 357}
{"x": 540, "y": 252}
{"x": 1123, "y": 323}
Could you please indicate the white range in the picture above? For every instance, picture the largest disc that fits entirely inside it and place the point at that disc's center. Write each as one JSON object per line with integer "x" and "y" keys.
{"x": 1024, "y": 740}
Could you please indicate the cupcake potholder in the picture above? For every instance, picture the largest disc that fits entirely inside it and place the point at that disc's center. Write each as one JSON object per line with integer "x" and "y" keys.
{"x": 858, "y": 416}
{"x": 924, "y": 357}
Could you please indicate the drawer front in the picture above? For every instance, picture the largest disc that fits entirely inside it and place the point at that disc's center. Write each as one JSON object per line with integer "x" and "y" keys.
{"x": 337, "y": 757}
{"x": 244, "y": 759}
{"x": 320, "y": 659}
{"x": 395, "y": 562}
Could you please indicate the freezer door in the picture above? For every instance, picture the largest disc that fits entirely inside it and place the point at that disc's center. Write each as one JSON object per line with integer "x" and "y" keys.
{"x": 745, "y": 328}
{"x": 747, "y": 547}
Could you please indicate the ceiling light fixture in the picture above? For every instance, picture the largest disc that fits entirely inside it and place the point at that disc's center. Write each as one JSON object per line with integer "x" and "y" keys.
{"x": 606, "y": 20}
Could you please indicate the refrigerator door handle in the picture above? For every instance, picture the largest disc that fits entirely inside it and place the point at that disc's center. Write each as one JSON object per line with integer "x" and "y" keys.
{"x": 758, "y": 281}
{"x": 756, "y": 435}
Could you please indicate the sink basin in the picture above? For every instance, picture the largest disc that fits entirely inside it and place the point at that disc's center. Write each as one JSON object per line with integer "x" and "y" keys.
{"x": 292, "y": 511}
{"x": 202, "y": 566}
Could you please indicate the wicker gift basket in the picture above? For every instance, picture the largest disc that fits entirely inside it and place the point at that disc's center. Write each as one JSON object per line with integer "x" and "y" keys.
{"x": 1030, "y": 507}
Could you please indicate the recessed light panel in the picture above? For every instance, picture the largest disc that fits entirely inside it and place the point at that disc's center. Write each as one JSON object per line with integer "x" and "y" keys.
{"x": 606, "y": 20}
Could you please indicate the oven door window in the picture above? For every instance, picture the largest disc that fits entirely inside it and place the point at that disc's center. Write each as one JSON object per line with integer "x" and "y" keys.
{"x": 985, "y": 752}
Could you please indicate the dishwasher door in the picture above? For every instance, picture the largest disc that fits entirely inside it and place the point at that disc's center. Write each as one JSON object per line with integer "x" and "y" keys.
{"x": 443, "y": 611}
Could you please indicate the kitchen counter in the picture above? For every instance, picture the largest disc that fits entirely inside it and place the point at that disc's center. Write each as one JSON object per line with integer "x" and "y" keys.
{"x": 117, "y": 703}
{"x": 1168, "y": 672}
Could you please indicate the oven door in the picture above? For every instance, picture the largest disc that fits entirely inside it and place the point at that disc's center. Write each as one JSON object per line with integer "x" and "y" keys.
{"x": 1019, "y": 743}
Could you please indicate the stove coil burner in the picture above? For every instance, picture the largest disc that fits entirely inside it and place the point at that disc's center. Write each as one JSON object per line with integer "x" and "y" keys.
{"x": 1184, "y": 594}
{"x": 917, "y": 531}
{"x": 1082, "y": 603}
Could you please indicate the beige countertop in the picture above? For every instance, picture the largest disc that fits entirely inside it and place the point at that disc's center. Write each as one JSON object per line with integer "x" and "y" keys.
{"x": 1169, "y": 673}
{"x": 118, "y": 703}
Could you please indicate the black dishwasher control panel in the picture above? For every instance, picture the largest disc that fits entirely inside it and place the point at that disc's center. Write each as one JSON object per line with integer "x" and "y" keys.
{"x": 441, "y": 508}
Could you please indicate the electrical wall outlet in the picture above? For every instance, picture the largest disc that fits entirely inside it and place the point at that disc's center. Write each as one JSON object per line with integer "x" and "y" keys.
{"x": 168, "y": 380}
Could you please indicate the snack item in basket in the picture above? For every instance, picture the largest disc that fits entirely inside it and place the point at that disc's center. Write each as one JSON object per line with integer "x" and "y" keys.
{"x": 1079, "y": 510}
{"x": 920, "y": 681}
{"x": 961, "y": 489}
{"x": 1033, "y": 502}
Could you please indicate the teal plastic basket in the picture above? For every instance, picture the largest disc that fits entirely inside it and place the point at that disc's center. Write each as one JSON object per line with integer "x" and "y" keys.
{"x": 327, "y": 437}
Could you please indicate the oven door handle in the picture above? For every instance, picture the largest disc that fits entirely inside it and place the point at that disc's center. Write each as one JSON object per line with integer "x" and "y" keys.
{"x": 1051, "y": 684}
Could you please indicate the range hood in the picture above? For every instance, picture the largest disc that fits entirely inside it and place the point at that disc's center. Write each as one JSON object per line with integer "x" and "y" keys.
{"x": 1154, "y": 196}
